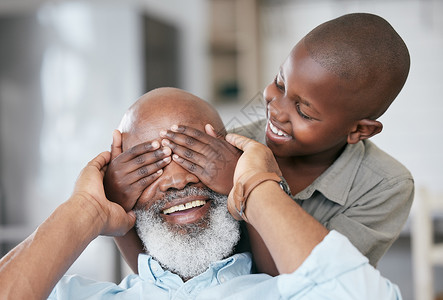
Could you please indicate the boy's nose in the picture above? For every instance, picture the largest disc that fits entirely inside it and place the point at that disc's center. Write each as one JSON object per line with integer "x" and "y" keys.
{"x": 278, "y": 110}
{"x": 175, "y": 177}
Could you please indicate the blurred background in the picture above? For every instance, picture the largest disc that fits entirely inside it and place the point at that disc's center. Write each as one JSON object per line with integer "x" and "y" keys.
{"x": 70, "y": 69}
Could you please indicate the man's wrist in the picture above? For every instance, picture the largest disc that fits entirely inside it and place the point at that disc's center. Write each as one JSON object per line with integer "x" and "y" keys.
{"x": 260, "y": 199}
{"x": 246, "y": 184}
{"x": 87, "y": 214}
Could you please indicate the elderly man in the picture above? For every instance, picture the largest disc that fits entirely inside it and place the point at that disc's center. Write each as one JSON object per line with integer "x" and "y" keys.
{"x": 188, "y": 230}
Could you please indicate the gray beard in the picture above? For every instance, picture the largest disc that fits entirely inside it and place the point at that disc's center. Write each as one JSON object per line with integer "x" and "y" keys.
{"x": 189, "y": 249}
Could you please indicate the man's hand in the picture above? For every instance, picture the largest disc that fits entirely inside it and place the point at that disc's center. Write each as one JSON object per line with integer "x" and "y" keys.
{"x": 210, "y": 158}
{"x": 89, "y": 187}
{"x": 130, "y": 172}
{"x": 31, "y": 270}
{"x": 256, "y": 158}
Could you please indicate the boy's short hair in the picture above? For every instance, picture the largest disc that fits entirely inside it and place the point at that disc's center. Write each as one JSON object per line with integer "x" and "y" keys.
{"x": 365, "y": 49}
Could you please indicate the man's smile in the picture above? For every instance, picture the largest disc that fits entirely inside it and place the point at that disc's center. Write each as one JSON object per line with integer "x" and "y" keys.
{"x": 187, "y": 210}
{"x": 183, "y": 207}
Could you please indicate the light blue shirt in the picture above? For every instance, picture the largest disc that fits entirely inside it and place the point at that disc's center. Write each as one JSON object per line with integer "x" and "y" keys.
{"x": 334, "y": 270}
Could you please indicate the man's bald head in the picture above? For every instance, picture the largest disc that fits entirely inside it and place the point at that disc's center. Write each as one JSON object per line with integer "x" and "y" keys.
{"x": 363, "y": 49}
{"x": 161, "y": 108}
{"x": 193, "y": 233}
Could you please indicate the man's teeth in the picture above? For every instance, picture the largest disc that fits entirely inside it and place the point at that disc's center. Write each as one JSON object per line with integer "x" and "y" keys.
{"x": 188, "y": 205}
{"x": 276, "y": 130}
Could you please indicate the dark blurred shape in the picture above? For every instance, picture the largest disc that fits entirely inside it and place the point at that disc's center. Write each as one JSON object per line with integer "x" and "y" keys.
{"x": 161, "y": 54}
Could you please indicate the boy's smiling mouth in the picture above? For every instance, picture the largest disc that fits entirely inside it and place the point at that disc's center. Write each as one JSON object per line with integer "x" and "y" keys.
{"x": 277, "y": 131}
{"x": 273, "y": 132}
{"x": 276, "y": 135}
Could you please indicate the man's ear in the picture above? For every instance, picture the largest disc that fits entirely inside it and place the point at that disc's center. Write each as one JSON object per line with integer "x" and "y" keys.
{"x": 364, "y": 129}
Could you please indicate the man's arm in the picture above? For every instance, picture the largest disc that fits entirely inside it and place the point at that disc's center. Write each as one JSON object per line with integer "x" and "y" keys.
{"x": 31, "y": 270}
{"x": 287, "y": 230}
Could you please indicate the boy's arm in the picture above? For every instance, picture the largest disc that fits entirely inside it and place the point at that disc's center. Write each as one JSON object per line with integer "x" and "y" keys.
{"x": 263, "y": 260}
{"x": 130, "y": 247}
{"x": 31, "y": 270}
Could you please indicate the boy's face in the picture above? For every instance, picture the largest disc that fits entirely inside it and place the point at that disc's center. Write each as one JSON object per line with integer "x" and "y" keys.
{"x": 310, "y": 111}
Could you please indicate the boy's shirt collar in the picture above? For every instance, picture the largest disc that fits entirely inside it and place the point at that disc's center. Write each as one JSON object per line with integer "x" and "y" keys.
{"x": 336, "y": 182}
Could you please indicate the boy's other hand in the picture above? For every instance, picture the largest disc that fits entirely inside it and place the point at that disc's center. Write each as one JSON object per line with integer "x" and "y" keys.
{"x": 130, "y": 172}
{"x": 210, "y": 158}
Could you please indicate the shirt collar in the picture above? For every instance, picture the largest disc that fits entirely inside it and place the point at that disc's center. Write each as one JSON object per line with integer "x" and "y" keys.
{"x": 228, "y": 268}
{"x": 336, "y": 182}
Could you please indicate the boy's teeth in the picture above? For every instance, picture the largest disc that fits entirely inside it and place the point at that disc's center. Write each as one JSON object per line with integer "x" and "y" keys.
{"x": 276, "y": 130}
{"x": 188, "y": 205}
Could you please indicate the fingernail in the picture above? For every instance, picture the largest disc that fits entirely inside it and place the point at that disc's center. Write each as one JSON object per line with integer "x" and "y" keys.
{"x": 177, "y": 158}
{"x": 174, "y": 127}
{"x": 155, "y": 144}
{"x": 167, "y": 150}
{"x": 167, "y": 159}
{"x": 159, "y": 172}
{"x": 163, "y": 133}
{"x": 165, "y": 142}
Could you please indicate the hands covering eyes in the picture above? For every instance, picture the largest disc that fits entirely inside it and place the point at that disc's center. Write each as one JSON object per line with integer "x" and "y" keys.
{"x": 131, "y": 172}
{"x": 206, "y": 155}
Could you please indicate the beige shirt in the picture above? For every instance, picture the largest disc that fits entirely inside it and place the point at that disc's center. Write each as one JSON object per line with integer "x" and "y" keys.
{"x": 365, "y": 195}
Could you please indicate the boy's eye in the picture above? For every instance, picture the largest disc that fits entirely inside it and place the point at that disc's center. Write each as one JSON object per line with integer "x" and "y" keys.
{"x": 279, "y": 86}
{"x": 304, "y": 116}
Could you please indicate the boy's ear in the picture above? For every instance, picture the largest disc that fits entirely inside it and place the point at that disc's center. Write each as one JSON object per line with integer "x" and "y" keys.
{"x": 364, "y": 129}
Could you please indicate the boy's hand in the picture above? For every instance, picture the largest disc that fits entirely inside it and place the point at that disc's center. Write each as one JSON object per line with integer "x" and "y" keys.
{"x": 130, "y": 172}
{"x": 209, "y": 157}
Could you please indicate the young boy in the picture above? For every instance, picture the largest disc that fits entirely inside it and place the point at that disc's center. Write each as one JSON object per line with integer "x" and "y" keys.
{"x": 322, "y": 108}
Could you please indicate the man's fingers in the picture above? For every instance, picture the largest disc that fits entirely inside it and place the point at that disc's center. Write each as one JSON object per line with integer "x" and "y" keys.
{"x": 120, "y": 222}
{"x": 128, "y": 221}
{"x": 101, "y": 160}
{"x": 239, "y": 141}
{"x": 116, "y": 146}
